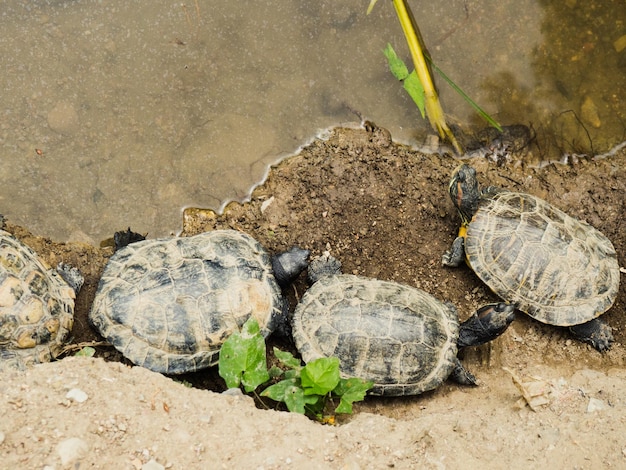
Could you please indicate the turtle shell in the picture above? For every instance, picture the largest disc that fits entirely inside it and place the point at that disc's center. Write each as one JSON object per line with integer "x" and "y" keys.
{"x": 401, "y": 338}
{"x": 36, "y": 306}
{"x": 169, "y": 304}
{"x": 557, "y": 269}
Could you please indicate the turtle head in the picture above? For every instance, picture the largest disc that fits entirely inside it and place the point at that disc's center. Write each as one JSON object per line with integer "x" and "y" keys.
{"x": 287, "y": 266}
{"x": 487, "y": 323}
{"x": 464, "y": 192}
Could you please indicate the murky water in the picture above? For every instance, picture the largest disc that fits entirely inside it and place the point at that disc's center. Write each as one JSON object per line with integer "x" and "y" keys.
{"x": 118, "y": 113}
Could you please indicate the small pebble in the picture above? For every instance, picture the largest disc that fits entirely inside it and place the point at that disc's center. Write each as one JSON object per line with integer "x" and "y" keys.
{"x": 266, "y": 204}
{"x": 620, "y": 43}
{"x": 72, "y": 450}
{"x": 77, "y": 395}
{"x": 152, "y": 465}
{"x": 63, "y": 118}
{"x": 595, "y": 405}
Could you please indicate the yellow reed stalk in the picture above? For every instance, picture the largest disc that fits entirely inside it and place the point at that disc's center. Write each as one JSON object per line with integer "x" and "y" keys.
{"x": 434, "y": 110}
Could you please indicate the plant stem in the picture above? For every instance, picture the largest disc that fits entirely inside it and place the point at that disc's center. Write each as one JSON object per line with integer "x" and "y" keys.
{"x": 433, "y": 105}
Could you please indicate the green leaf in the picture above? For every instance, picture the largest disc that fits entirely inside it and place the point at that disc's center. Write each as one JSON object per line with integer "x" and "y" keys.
{"x": 287, "y": 359}
{"x": 397, "y": 67}
{"x": 277, "y": 391}
{"x": 344, "y": 407}
{"x": 289, "y": 392}
{"x": 414, "y": 88}
{"x": 242, "y": 358}
{"x": 350, "y": 390}
{"x": 320, "y": 376}
{"x": 87, "y": 351}
{"x": 315, "y": 404}
{"x": 410, "y": 81}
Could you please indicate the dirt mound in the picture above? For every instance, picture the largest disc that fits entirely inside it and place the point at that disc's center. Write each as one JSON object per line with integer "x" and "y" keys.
{"x": 383, "y": 210}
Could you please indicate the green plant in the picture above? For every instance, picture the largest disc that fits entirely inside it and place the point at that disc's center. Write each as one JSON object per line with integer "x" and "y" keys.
{"x": 313, "y": 387}
{"x": 242, "y": 358}
{"x": 309, "y": 389}
{"x": 87, "y": 351}
{"x": 419, "y": 84}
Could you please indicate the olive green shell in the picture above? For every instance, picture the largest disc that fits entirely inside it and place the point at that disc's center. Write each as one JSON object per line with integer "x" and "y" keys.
{"x": 401, "y": 338}
{"x": 557, "y": 269}
{"x": 169, "y": 304}
{"x": 36, "y": 307}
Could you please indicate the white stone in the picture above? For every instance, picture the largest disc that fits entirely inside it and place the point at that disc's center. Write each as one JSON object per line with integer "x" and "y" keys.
{"x": 152, "y": 465}
{"x": 595, "y": 405}
{"x": 71, "y": 450}
{"x": 77, "y": 395}
{"x": 266, "y": 204}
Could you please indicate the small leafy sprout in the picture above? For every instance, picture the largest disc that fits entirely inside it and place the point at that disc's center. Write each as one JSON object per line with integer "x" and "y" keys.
{"x": 87, "y": 351}
{"x": 311, "y": 389}
{"x": 242, "y": 358}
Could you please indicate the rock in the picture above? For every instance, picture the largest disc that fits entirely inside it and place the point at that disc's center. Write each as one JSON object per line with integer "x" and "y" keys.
{"x": 63, "y": 118}
{"x": 72, "y": 450}
{"x": 152, "y": 465}
{"x": 620, "y": 43}
{"x": 265, "y": 204}
{"x": 77, "y": 395}
{"x": 595, "y": 405}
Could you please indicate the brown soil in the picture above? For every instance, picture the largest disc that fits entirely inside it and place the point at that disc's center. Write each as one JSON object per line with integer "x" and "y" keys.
{"x": 383, "y": 210}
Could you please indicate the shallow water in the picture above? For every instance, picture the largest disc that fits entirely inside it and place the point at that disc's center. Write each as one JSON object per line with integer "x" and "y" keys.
{"x": 120, "y": 113}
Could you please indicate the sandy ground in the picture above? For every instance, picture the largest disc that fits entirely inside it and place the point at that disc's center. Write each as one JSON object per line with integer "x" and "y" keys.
{"x": 383, "y": 210}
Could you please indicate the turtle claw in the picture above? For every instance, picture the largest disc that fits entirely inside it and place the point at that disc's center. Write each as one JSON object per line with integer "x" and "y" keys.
{"x": 462, "y": 376}
{"x": 455, "y": 255}
{"x": 596, "y": 333}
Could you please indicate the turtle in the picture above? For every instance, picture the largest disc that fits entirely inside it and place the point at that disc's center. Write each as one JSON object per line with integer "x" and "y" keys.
{"x": 168, "y": 304}
{"x": 401, "y": 338}
{"x": 36, "y": 305}
{"x": 557, "y": 269}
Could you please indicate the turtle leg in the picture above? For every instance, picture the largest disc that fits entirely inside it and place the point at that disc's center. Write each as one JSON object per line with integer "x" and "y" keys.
{"x": 595, "y": 332}
{"x": 280, "y": 323}
{"x": 455, "y": 255}
{"x": 489, "y": 322}
{"x": 461, "y": 375}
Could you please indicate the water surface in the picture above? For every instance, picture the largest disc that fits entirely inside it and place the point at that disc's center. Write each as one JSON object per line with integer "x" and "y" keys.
{"x": 118, "y": 113}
